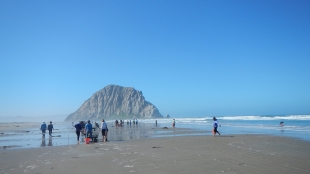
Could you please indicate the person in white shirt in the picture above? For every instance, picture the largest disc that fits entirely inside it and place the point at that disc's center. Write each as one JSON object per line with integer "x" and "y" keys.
{"x": 104, "y": 130}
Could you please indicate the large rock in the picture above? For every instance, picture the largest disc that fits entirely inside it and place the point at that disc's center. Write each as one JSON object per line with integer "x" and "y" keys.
{"x": 115, "y": 102}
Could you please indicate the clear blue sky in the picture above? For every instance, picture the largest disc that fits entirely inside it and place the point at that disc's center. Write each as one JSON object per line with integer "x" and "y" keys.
{"x": 189, "y": 58}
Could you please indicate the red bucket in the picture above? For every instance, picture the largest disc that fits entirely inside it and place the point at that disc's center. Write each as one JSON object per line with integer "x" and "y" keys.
{"x": 87, "y": 140}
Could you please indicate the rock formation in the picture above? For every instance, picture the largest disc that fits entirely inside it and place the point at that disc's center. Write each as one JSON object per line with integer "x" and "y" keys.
{"x": 115, "y": 101}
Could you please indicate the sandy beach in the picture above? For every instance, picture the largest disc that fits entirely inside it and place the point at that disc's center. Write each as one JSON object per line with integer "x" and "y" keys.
{"x": 190, "y": 154}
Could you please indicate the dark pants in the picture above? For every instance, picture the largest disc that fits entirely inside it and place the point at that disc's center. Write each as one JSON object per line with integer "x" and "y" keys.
{"x": 215, "y": 130}
{"x": 50, "y": 132}
{"x": 43, "y": 133}
{"x": 78, "y": 135}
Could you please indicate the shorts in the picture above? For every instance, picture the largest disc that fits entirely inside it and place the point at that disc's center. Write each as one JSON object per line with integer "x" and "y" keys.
{"x": 103, "y": 132}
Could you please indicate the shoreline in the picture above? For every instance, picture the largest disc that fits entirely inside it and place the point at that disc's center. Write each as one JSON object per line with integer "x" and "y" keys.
{"x": 27, "y": 134}
{"x": 178, "y": 154}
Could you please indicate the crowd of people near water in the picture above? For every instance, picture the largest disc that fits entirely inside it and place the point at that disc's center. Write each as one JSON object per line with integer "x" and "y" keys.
{"x": 121, "y": 123}
{"x": 86, "y": 128}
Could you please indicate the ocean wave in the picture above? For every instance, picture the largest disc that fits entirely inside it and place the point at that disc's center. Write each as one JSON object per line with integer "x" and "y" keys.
{"x": 230, "y": 118}
{"x": 281, "y": 117}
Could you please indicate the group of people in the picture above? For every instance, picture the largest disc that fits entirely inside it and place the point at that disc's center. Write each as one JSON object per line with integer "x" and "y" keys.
{"x": 120, "y": 123}
{"x": 87, "y": 128}
{"x": 50, "y": 128}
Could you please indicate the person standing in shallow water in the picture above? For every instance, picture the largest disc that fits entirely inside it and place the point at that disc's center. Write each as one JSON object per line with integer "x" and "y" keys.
{"x": 88, "y": 128}
{"x": 78, "y": 128}
{"x": 43, "y": 129}
{"x": 173, "y": 123}
{"x": 215, "y": 125}
{"x": 50, "y": 128}
{"x": 104, "y": 130}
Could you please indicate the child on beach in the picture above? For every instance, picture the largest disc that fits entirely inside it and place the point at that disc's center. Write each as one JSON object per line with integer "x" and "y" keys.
{"x": 215, "y": 124}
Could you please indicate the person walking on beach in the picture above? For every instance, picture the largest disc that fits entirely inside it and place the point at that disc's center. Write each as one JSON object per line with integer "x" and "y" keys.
{"x": 78, "y": 128}
{"x": 43, "y": 129}
{"x": 50, "y": 128}
{"x": 215, "y": 125}
{"x": 156, "y": 123}
{"x": 88, "y": 129}
{"x": 104, "y": 130}
{"x": 173, "y": 123}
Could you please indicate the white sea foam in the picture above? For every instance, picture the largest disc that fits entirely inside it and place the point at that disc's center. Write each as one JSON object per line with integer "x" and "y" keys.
{"x": 282, "y": 117}
{"x": 209, "y": 119}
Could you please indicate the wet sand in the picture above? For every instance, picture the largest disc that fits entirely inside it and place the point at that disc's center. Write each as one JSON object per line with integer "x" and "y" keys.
{"x": 177, "y": 154}
{"x": 28, "y": 135}
{"x": 18, "y": 126}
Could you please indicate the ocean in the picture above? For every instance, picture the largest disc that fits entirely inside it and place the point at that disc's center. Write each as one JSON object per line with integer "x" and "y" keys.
{"x": 295, "y": 126}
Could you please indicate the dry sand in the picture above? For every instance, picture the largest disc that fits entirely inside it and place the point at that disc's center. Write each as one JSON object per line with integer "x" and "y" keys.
{"x": 191, "y": 154}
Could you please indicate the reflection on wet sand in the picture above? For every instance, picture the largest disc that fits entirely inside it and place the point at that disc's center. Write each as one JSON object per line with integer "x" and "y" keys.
{"x": 129, "y": 132}
{"x": 66, "y": 136}
{"x": 43, "y": 142}
{"x": 50, "y": 142}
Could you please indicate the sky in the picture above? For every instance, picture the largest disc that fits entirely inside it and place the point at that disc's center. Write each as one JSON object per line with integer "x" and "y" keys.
{"x": 189, "y": 58}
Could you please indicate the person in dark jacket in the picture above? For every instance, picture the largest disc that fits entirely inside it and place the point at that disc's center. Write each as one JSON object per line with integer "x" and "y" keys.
{"x": 50, "y": 128}
{"x": 78, "y": 129}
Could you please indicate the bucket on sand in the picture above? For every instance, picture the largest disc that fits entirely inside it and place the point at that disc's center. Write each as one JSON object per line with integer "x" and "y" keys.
{"x": 87, "y": 140}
